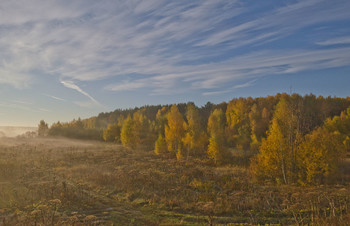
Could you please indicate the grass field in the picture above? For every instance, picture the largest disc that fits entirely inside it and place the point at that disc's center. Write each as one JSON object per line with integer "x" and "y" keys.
{"x": 70, "y": 182}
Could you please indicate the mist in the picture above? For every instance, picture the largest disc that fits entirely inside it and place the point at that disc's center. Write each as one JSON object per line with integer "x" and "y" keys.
{"x": 13, "y": 131}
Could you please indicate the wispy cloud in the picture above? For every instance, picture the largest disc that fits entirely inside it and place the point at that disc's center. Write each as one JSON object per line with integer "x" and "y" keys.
{"x": 22, "y": 102}
{"x": 174, "y": 46}
{"x": 253, "y": 65}
{"x": 238, "y": 86}
{"x": 86, "y": 104}
{"x": 127, "y": 85}
{"x": 212, "y": 93}
{"x": 335, "y": 41}
{"x": 44, "y": 110}
{"x": 21, "y": 105}
{"x": 71, "y": 85}
{"x": 54, "y": 97}
{"x": 244, "y": 85}
{"x": 14, "y": 78}
{"x": 280, "y": 23}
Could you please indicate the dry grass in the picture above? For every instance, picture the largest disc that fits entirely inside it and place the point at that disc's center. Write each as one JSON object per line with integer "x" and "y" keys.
{"x": 66, "y": 182}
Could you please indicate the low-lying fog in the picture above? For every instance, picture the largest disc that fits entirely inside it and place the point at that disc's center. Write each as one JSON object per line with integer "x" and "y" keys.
{"x": 13, "y": 131}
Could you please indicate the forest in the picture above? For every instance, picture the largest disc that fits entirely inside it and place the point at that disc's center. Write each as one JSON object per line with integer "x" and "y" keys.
{"x": 280, "y": 159}
{"x": 284, "y": 138}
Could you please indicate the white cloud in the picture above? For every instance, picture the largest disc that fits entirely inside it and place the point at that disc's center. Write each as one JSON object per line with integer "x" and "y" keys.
{"x": 54, "y": 97}
{"x": 44, "y": 110}
{"x": 82, "y": 41}
{"x": 71, "y": 85}
{"x": 335, "y": 41}
{"x": 85, "y": 104}
{"x": 244, "y": 85}
{"x": 256, "y": 64}
{"x": 126, "y": 86}
{"x": 280, "y": 22}
{"x": 19, "y": 105}
{"x": 239, "y": 86}
{"x": 23, "y": 102}
{"x": 212, "y": 93}
{"x": 13, "y": 77}
{"x": 169, "y": 44}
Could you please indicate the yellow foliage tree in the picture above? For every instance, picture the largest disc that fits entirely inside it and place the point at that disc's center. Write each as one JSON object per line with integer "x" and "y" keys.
{"x": 274, "y": 158}
{"x": 340, "y": 124}
{"x": 237, "y": 116}
{"x": 112, "y": 133}
{"x": 160, "y": 146}
{"x": 142, "y": 131}
{"x": 259, "y": 121}
{"x": 174, "y": 130}
{"x": 320, "y": 155}
{"x": 278, "y": 152}
{"x": 195, "y": 140}
{"x": 161, "y": 120}
{"x": 128, "y": 134}
{"x": 217, "y": 150}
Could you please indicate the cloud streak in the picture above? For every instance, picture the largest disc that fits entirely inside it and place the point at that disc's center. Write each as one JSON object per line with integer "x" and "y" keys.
{"x": 71, "y": 85}
{"x": 195, "y": 45}
{"x": 54, "y": 97}
{"x": 335, "y": 41}
{"x": 23, "y": 106}
{"x": 254, "y": 65}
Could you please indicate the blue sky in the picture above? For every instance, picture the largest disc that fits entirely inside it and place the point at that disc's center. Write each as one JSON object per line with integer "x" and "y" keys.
{"x": 63, "y": 59}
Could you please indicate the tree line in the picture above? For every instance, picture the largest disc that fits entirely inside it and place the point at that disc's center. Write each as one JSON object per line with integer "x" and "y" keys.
{"x": 290, "y": 138}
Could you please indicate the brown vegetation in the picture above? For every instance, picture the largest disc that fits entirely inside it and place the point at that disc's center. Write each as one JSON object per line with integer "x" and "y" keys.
{"x": 68, "y": 182}
{"x": 273, "y": 160}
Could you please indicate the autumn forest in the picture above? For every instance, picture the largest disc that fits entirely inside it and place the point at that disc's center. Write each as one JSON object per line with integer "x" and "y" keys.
{"x": 280, "y": 159}
{"x": 288, "y": 138}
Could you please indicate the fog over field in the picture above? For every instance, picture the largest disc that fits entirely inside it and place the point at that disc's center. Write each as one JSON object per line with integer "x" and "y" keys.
{"x": 13, "y": 131}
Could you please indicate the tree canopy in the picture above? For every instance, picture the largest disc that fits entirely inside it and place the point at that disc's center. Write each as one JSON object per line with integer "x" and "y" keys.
{"x": 293, "y": 138}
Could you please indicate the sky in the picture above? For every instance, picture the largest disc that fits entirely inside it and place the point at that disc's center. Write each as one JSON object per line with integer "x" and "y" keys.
{"x": 64, "y": 59}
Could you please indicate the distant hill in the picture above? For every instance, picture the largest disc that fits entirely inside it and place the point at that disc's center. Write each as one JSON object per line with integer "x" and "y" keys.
{"x": 13, "y": 131}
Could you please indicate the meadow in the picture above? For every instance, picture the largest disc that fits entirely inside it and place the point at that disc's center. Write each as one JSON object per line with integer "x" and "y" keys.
{"x": 53, "y": 181}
